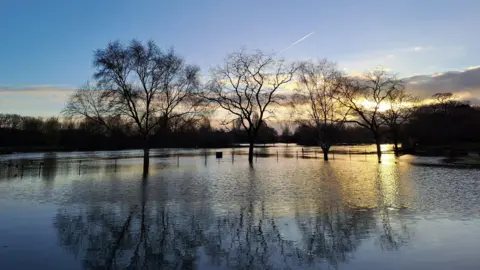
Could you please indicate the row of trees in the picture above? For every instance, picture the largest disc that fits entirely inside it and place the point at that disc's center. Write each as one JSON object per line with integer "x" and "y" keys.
{"x": 149, "y": 89}
{"x": 21, "y": 133}
{"x": 326, "y": 100}
{"x": 446, "y": 123}
{"x": 24, "y": 133}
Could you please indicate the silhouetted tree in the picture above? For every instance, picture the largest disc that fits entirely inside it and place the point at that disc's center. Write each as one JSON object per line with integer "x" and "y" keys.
{"x": 267, "y": 134}
{"x": 143, "y": 85}
{"x": 12, "y": 121}
{"x": 442, "y": 102}
{"x": 366, "y": 97}
{"x": 32, "y": 124}
{"x": 316, "y": 102}
{"x": 445, "y": 124}
{"x": 401, "y": 106}
{"x": 51, "y": 129}
{"x": 246, "y": 86}
{"x": 286, "y": 135}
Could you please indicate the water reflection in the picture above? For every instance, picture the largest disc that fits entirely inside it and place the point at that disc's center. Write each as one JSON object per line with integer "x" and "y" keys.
{"x": 168, "y": 224}
{"x": 48, "y": 167}
{"x": 205, "y": 213}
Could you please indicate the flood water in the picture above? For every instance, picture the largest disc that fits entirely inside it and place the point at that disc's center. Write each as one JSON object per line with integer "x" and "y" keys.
{"x": 94, "y": 211}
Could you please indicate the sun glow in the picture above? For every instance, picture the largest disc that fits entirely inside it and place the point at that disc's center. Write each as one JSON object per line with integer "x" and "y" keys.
{"x": 370, "y": 105}
{"x": 385, "y": 106}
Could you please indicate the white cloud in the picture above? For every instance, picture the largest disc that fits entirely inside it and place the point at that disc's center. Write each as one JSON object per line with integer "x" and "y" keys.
{"x": 473, "y": 67}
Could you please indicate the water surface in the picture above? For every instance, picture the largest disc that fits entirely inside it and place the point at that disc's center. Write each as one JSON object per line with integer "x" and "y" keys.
{"x": 94, "y": 211}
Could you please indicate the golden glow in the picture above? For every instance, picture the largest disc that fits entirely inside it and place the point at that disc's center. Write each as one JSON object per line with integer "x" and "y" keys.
{"x": 334, "y": 186}
{"x": 369, "y": 105}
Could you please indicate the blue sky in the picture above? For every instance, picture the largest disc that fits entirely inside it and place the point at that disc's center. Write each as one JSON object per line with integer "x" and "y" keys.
{"x": 46, "y": 46}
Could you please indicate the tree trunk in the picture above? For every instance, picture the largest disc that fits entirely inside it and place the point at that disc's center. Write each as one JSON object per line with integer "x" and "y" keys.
{"x": 325, "y": 151}
{"x": 379, "y": 150}
{"x": 146, "y": 157}
{"x": 395, "y": 143}
{"x": 250, "y": 152}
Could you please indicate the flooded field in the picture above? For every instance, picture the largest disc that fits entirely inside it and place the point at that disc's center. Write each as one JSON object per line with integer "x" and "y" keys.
{"x": 93, "y": 210}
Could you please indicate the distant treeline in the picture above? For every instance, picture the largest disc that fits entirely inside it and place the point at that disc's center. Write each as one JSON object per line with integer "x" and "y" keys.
{"x": 448, "y": 125}
{"x": 20, "y": 133}
{"x": 23, "y": 133}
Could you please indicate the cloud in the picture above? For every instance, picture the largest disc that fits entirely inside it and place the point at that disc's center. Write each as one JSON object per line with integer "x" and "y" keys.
{"x": 421, "y": 49}
{"x": 465, "y": 84}
{"x": 36, "y": 87}
{"x": 34, "y": 100}
{"x": 406, "y": 60}
{"x": 474, "y": 67}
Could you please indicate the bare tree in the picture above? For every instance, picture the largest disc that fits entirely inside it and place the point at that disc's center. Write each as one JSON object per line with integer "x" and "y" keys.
{"x": 445, "y": 102}
{"x": 366, "y": 97}
{"x": 140, "y": 83}
{"x": 246, "y": 87}
{"x": 401, "y": 106}
{"x": 316, "y": 104}
{"x": 94, "y": 104}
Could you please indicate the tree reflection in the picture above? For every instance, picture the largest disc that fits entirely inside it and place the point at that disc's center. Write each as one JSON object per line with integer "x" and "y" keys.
{"x": 157, "y": 232}
{"x": 129, "y": 237}
{"x": 333, "y": 235}
{"x": 49, "y": 167}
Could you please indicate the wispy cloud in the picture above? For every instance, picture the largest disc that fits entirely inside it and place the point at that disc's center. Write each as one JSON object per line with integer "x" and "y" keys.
{"x": 36, "y": 87}
{"x": 34, "y": 100}
{"x": 298, "y": 41}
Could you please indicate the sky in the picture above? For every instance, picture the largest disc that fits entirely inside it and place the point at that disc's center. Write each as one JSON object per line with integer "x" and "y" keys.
{"x": 46, "y": 46}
